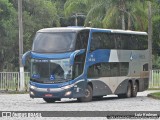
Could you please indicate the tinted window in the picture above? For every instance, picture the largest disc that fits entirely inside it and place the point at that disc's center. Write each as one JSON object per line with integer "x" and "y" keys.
{"x": 102, "y": 41}
{"x": 118, "y": 41}
{"x": 78, "y": 65}
{"x": 130, "y": 42}
{"x": 82, "y": 40}
{"x": 108, "y": 69}
{"x": 54, "y": 42}
{"x": 81, "y": 43}
{"x": 145, "y": 67}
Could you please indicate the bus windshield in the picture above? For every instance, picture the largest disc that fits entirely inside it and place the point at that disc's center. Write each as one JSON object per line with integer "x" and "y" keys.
{"x": 50, "y": 71}
{"x": 54, "y": 42}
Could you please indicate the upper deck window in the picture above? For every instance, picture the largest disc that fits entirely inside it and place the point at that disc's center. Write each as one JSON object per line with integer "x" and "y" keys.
{"x": 54, "y": 42}
{"x": 102, "y": 40}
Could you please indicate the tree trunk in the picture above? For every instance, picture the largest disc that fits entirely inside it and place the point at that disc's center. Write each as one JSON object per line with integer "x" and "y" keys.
{"x": 129, "y": 21}
{"x": 123, "y": 9}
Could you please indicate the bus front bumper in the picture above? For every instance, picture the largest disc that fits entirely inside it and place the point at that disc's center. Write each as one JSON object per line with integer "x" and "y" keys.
{"x": 63, "y": 92}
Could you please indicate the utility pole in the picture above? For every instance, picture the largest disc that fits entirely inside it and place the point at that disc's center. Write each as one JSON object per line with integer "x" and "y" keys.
{"x": 150, "y": 39}
{"x": 21, "y": 68}
{"x": 76, "y": 16}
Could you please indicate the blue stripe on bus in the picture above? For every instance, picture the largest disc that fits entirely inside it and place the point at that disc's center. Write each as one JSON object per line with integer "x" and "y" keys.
{"x": 100, "y": 30}
{"x": 58, "y": 85}
{"x": 97, "y": 56}
{"x": 50, "y": 56}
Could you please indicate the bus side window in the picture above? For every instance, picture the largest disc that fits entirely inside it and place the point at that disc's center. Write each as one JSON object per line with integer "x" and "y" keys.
{"x": 110, "y": 41}
{"x": 112, "y": 69}
{"x": 125, "y": 42}
{"x": 96, "y": 41}
{"x": 102, "y": 40}
{"x": 143, "y": 41}
{"x": 118, "y": 41}
{"x": 78, "y": 65}
{"x": 82, "y": 40}
{"x": 81, "y": 43}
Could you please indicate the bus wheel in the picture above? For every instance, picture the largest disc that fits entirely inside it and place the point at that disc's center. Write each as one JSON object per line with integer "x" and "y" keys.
{"x": 128, "y": 93}
{"x": 88, "y": 95}
{"x": 50, "y": 100}
{"x": 129, "y": 90}
{"x": 121, "y": 95}
{"x": 134, "y": 89}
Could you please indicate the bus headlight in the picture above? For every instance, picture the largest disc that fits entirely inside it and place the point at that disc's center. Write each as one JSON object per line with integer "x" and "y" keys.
{"x": 67, "y": 87}
{"x": 31, "y": 93}
{"x": 68, "y": 93}
{"x": 32, "y": 87}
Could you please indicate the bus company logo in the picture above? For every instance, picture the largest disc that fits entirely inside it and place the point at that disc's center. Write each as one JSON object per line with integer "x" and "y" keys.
{"x": 6, "y": 114}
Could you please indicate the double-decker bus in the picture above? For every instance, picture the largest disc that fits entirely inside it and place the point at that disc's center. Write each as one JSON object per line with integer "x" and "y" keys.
{"x": 86, "y": 63}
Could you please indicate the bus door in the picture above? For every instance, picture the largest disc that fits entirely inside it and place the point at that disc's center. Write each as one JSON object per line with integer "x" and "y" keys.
{"x": 79, "y": 62}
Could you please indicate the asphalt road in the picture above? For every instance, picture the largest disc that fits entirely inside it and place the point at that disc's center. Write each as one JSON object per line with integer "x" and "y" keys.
{"x": 22, "y": 102}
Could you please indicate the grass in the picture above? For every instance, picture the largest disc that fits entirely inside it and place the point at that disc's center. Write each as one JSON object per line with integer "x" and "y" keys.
{"x": 155, "y": 83}
{"x": 17, "y": 92}
{"x": 155, "y": 95}
{"x": 153, "y": 88}
{"x": 13, "y": 92}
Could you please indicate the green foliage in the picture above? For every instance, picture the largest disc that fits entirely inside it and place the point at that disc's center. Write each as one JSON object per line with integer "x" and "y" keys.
{"x": 139, "y": 15}
{"x": 75, "y": 6}
{"x": 155, "y": 95}
{"x": 156, "y": 62}
{"x": 109, "y": 13}
{"x": 38, "y": 14}
{"x": 156, "y": 34}
{"x": 8, "y": 34}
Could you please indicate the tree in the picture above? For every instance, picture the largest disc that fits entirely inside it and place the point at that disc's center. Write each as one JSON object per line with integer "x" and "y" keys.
{"x": 38, "y": 14}
{"x": 8, "y": 34}
{"x": 109, "y": 13}
{"x": 156, "y": 34}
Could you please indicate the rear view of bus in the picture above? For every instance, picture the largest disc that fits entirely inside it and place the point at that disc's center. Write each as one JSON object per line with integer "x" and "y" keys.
{"x": 87, "y": 63}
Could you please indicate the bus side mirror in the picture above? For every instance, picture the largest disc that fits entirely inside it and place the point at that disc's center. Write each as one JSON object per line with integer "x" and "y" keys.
{"x": 73, "y": 55}
{"x": 24, "y": 57}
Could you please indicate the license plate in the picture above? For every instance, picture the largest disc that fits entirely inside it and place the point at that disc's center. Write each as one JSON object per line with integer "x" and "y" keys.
{"x": 48, "y": 95}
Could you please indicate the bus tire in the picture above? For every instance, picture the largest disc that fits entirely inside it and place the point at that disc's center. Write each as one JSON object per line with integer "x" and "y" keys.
{"x": 97, "y": 97}
{"x": 121, "y": 95}
{"x": 129, "y": 90}
{"x": 128, "y": 93}
{"x": 134, "y": 89}
{"x": 50, "y": 100}
{"x": 88, "y": 95}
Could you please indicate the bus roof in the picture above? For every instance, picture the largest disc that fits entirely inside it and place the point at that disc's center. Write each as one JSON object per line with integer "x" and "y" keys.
{"x": 62, "y": 29}
{"x": 76, "y": 29}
